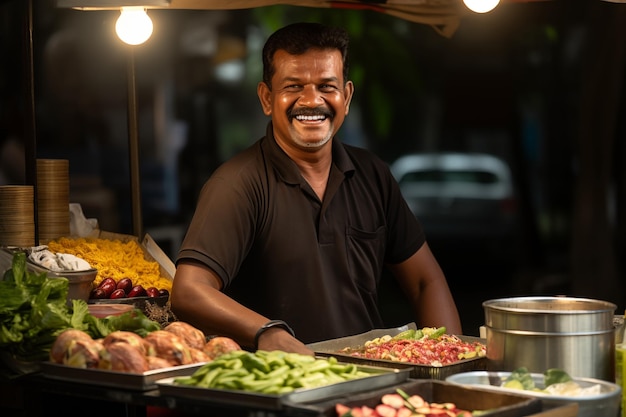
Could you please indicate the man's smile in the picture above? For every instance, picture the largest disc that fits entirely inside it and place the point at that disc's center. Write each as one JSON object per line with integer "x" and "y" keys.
{"x": 303, "y": 118}
{"x": 310, "y": 115}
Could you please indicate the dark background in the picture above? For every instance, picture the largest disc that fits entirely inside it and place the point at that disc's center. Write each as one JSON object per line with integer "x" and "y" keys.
{"x": 539, "y": 84}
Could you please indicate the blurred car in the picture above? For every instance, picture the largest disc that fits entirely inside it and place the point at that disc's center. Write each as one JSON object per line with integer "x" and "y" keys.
{"x": 465, "y": 202}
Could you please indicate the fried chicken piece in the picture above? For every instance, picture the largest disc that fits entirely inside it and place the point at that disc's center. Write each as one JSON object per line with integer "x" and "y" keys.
{"x": 219, "y": 345}
{"x": 133, "y": 339}
{"x": 169, "y": 347}
{"x": 82, "y": 353}
{"x": 198, "y": 355}
{"x": 123, "y": 357}
{"x": 194, "y": 337}
{"x": 62, "y": 343}
{"x": 154, "y": 362}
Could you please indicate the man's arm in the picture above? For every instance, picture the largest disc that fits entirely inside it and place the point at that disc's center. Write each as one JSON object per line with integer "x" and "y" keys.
{"x": 196, "y": 299}
{"x": 425, "y": 285}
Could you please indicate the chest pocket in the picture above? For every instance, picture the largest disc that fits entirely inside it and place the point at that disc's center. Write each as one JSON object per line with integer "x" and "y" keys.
{"x": 366, "y": 251}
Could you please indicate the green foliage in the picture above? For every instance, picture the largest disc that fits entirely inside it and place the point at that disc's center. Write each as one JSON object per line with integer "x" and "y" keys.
{"x": 34, "y": 311}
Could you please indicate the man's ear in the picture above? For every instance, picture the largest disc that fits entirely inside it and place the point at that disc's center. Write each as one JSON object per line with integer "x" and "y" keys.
{"x": 265, "y": 97}
{"x": 348, "y": 91}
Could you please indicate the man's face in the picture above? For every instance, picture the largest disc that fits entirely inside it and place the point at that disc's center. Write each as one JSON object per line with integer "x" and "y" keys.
{"x": 308, "y": 100}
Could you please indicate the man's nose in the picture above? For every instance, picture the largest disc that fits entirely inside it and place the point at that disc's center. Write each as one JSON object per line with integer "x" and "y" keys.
{"x": 311, "y": 96}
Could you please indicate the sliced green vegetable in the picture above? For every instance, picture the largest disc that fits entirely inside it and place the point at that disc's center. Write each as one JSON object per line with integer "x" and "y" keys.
{"x": 522, "y": 376}
{"x": 555, "y": 376}
{"x": 437, "y": 333}
{"x": 513, "y": 384}
{"x": 406, "y": 397}
{"x": 275, "y": 372}
{"x": 407, "y": 334}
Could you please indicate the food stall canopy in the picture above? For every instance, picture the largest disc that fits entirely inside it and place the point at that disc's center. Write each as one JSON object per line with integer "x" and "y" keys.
{"x": 443, "y": 16}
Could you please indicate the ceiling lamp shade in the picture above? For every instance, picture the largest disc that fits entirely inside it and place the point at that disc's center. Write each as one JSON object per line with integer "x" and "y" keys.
{"x": 111, "y": 4}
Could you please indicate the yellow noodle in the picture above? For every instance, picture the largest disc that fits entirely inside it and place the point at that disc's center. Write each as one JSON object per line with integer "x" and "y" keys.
{"x": 115, "y": 259}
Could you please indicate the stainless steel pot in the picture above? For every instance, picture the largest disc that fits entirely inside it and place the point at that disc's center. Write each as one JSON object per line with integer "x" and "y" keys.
{"x": 573, "y": 334}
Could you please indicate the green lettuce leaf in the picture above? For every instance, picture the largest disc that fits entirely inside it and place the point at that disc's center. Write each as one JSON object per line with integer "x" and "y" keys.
{"x": 80, "y": 310}
{"x": 34, "y": 311}
{"x": 134, "y": 321}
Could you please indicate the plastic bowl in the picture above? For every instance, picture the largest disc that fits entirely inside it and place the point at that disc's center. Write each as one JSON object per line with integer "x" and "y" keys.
{"x": 106, "y": 310}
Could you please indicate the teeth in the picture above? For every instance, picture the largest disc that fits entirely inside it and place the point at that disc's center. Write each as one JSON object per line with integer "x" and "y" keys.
{"x": 310, "y": 117}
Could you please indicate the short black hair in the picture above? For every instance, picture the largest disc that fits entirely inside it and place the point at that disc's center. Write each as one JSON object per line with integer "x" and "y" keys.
{"x": 298, "y": 38}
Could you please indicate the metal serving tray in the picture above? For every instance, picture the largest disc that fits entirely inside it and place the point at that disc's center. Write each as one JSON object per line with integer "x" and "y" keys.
{"x": 492, "y": 404}
{"x": 140, "y": 382}
{"x": 605, "y": 403}
{"x": 380, "y": 377}
{"x": 333, "y": 346}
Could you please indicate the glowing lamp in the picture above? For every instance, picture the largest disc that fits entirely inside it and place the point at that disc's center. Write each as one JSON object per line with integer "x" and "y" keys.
{"x": 134, "y": 26}
{"x": 481, "y": 6}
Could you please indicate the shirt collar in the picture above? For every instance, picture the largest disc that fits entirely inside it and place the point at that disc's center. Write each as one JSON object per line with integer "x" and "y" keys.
{"x": 288, "y": 170}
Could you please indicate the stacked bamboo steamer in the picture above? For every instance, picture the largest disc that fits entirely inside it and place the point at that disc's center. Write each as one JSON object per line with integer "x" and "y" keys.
{"x": 17, "y": 215}
{"x": 53, "y": 198}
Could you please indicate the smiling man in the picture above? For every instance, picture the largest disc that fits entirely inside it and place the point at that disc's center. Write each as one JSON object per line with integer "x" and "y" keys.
{"x": 290, "y": 238}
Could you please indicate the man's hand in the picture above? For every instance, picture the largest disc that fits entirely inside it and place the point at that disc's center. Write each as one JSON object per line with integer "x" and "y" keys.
{"x": 278, "y": 338}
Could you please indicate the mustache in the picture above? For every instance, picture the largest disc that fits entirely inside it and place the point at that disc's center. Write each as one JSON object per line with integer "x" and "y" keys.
{"x": 307, "y": 111}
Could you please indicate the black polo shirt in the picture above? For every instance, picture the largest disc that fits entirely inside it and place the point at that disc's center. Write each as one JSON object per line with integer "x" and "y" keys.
{"x": 282, "y": 252}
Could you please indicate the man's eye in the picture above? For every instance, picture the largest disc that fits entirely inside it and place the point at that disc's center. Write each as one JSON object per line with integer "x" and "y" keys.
{"x": 327, "y": 88}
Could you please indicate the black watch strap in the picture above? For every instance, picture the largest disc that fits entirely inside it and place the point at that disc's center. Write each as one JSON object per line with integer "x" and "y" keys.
{"x": 269, "y": 325}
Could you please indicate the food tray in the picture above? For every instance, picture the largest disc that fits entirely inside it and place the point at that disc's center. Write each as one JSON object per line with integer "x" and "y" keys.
{"x": 141, "y": 382}
{"x": 380, "y": 377}
{"x": 468, "y": 398}
{"x": 607, "y": 403}
{"x": 332, "y": 347}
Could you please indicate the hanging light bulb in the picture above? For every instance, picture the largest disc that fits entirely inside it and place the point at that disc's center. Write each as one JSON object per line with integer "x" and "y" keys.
{"x": 481, "y": 6}
{"x": 134, "y": 26}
